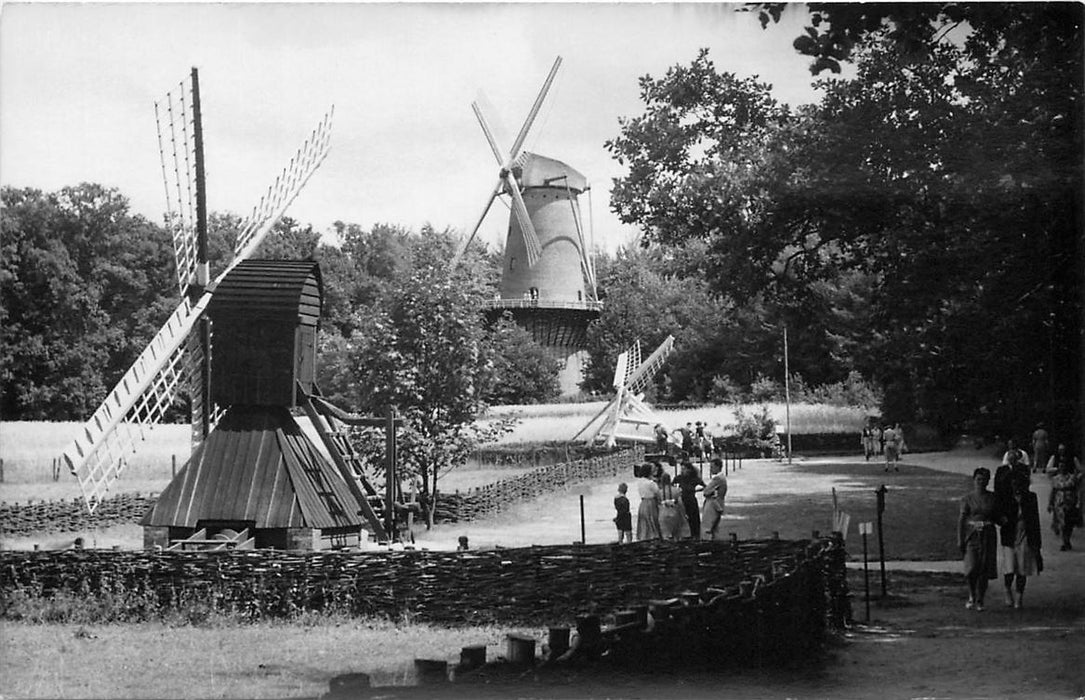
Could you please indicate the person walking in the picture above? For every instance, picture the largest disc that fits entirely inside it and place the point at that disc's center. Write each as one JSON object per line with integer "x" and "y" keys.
{"x": 1040, "y": 448}
{"x": 976, "y": 538}
{"x": 662, "y": 438}
{"x": 868, "y": 442}
{"x": 1054, "y": 463}
{"x": 687, "y": 440}
{"x": 894, "y": 443}
{"x": 1064, "y": 503}
{"x": 623, "y": 518}
{"x": 714, "y": 494}
{"x": 1019, "y": 521}
{"x": 688, "y": 483}
{"x": 648, "y": 511}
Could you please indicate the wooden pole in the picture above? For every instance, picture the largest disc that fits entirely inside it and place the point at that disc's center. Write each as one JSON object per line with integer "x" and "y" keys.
{"x": 583, "y": 535}
{"x": 390, "y": 473}
{"x": 881, "y": 491}
{"x": 866, "y": 576}
{"x": 787, "y": 398}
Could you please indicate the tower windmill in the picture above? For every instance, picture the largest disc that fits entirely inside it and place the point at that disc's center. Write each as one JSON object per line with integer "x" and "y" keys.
{"x": 547, "y": 278}
{"x": 626, "y": 417}
{"x": 281, "y": 302}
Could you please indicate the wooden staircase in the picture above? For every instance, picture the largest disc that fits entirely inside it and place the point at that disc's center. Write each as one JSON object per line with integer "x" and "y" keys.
{"x": 326, "y": 418}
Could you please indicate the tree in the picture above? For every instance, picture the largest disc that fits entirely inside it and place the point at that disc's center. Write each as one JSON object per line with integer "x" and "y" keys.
{"x": 523, "y": 371}
{"x": 84, "y": 285}
{"x": 422, "y": 349}
{"x": 947, "y": 178}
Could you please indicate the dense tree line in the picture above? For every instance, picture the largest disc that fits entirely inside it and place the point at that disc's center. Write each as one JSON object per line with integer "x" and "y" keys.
{"x": 921, "y": 224}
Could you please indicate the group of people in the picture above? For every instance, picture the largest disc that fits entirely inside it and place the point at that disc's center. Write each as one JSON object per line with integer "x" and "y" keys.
{"x": 669, "y": 508}
{"x": 999, "y": 530}
{"x": 885, "y": 440}
{"x": 692, "y": 440}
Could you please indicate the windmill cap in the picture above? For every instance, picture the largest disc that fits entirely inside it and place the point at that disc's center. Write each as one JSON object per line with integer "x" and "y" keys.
{"x": 540, "y": 171}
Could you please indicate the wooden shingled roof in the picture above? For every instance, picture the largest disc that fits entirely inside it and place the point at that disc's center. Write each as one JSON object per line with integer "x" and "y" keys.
{"x": 257, "y": 465}
{"x": 271, "y": 289}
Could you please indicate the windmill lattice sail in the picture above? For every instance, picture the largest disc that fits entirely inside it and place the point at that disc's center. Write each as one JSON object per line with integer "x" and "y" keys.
{"x": 623, "y": 418}
{"x": 171, "y": 360}
{"x": 177, "y": 152}
{"x": 134, "y": 406}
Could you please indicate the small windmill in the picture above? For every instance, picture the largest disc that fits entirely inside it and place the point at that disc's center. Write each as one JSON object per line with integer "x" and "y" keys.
{"x": 623, "y": 418}
{"x": 178, "y": 356}
{"x": 548, "y": 280}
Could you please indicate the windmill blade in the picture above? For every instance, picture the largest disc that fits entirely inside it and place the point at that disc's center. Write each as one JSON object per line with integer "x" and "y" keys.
{"x": 522, "y": 136}
{"x": 488, "y": 133}
{"x": 531, "y": 239}
{"x": 134, "y": 406}
{"x": 620, "y": 370}
{"x": 283, "y": 191}
{"x": 176, "y": 150}
{"x": 585, "y": 260}
{"x": 643, "y": 374}
{"x": 478, "y": 224}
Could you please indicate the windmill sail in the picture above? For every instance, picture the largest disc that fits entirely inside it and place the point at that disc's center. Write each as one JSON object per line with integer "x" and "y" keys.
{"x": 624, "y": 416}
{"x": 507, "y": 182}
{"x": 171, "y": 360}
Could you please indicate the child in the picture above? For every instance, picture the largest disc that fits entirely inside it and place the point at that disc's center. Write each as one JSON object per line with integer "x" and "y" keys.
{"x": 623, "y": 520}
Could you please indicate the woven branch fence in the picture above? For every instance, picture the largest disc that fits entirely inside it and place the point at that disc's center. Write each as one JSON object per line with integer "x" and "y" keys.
{"x": 72, "y": 516}
{"x": 794, "y": 581}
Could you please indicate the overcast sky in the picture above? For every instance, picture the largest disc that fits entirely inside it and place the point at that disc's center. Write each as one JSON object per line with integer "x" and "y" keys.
{"x": 78, "y": 82}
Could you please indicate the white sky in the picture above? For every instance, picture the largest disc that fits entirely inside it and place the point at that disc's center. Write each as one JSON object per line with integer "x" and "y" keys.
{"x": 78, "y": 82}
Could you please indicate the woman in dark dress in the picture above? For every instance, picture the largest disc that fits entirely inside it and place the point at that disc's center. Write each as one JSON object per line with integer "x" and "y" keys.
{"x": 689, "y": 482}
{"x": 1020, "y": 537}
{"x": 977, "y": 539}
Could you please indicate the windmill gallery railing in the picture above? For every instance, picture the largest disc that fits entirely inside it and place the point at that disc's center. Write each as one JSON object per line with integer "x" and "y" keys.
{"x": 71, "y": 516}
{"x": 544, "y": 304}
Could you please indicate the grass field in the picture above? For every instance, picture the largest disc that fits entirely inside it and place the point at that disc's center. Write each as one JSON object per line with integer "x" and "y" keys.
{"x": 29, "y": 448}
{"x": 559, "y": 422}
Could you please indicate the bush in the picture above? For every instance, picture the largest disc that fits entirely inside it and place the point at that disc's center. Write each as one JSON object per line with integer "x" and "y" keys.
{"x": 724, "y": 390}
{"x": 765, "y": 389}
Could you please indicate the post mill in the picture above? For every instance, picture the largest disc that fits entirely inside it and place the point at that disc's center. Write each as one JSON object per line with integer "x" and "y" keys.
{"x": 243, "y": 346}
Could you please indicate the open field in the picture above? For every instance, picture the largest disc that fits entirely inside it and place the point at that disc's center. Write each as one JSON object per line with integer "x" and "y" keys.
{"x": 558, "y": 422}
{"x": 29, "y": 448}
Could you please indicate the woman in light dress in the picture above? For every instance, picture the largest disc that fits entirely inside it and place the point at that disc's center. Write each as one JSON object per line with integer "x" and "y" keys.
{"x": 977, "y": 539}
{"x": 672, "y": 516}
{"x": 648, "y": 512}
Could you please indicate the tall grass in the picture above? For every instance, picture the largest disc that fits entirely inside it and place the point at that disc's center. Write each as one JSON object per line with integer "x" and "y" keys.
{"x": 28, "y": 448}
{"x": 560, "y": 422}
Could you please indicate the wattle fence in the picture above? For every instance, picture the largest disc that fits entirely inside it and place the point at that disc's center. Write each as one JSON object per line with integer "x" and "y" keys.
{"x": 766, "y": 599}
{"x": 71, "y": 515}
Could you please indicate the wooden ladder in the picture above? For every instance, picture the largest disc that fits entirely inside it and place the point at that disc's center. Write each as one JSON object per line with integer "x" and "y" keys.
{"x": 346, "y": 459}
